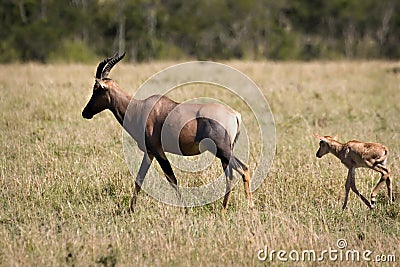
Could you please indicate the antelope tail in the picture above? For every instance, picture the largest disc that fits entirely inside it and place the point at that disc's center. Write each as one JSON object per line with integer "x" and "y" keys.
{"x": 238, "y": 121}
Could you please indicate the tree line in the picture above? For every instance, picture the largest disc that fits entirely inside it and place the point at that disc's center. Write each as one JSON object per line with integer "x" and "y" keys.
{"x": 83, "y": 30}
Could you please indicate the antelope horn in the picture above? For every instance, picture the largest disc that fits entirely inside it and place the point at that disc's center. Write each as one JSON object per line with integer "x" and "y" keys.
{"x": 115, "y": 59}
{"x": 101, "y": 65}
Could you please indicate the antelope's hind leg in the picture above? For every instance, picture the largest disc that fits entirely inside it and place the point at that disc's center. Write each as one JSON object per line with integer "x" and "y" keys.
{"x": 389, "y": 185}
{"x": 390, "y": 189}
{"x": 384, "y": 178}
{"x": 244, "y": 171}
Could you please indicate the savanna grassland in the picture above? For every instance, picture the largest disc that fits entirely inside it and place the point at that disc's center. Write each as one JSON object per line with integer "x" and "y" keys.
{"x": 65, "y": 187}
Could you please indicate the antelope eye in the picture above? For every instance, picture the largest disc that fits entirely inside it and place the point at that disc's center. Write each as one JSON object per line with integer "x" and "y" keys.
{"x": 98, "y": 87}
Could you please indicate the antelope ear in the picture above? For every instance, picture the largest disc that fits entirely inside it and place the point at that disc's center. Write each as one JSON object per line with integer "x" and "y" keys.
{"x": 99, "y": 84}
{"x": 336, "y": 137}
{"x": 318, "y": 136}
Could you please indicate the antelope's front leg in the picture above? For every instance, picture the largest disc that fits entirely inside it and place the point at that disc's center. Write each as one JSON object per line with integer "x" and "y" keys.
{"x": 144, "y": 167}
{"x": 347, "y": 188}
{"x": 355, "y": 190}
{"x": 169, "y": 174}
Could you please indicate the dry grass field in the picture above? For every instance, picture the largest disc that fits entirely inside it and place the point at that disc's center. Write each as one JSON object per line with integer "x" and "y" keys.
{"x": 65, "y": 187}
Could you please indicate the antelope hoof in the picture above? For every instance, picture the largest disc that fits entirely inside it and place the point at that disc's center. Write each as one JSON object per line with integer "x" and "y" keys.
{"x": 132, "y": 206}
{"x": 223, "y": 211}
{"x": 131, "y": 210}
{"x": 373, "y": 202}
{"x": 251, "y": 204}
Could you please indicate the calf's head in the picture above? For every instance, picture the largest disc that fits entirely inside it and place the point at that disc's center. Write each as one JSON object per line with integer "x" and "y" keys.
{"x": 324, "y": 144}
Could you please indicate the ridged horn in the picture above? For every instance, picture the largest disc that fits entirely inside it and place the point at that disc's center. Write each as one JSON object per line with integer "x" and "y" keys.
{"x": 115, "y": 59}
{"x": 101, "y": 65}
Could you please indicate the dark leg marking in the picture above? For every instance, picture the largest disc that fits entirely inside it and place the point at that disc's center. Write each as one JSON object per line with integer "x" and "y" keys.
{"x": 169, "y": 174}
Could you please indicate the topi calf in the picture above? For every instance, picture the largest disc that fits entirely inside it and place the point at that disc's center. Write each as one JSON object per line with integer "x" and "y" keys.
{"x": 355, "y": 154}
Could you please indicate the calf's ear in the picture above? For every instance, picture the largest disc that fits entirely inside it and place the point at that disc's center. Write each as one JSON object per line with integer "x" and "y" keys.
{"x": 319, "y": 137}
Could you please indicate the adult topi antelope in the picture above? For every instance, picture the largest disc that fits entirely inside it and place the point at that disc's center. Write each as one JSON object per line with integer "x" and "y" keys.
{"x": 355, "y": 154}
{"x": 159, "y": 124}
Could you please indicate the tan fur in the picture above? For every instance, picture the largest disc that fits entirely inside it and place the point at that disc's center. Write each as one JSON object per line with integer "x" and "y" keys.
{"x": 355, "y": 154}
